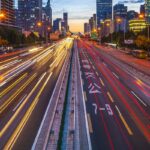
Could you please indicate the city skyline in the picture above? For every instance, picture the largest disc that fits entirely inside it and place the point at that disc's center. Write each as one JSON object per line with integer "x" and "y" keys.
{"x": 79, "y": 14}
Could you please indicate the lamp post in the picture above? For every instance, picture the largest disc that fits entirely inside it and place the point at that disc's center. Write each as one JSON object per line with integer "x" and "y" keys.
{"x": 47, "y": 28}
{"x": 2, "y": 16}
{"x": 99, "y": 34}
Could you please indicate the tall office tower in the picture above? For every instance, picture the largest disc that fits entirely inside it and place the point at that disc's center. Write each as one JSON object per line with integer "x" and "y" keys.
{"x": 48, "y": 11}
{"x": 65, "y": 20}
{"x": 120, "y": 11}
{"x": 30, "y": 12}
{"x": 57, "y": 24}
{"x": 103, "y": 10}
{"x": 142, "y": 9}
{"x": 86, "y": 28}
{"x": 147, "y": 10}
{"x": 7, "y": 8}
{"x": 94, "y": 21}
{"x": 132, "y": 15}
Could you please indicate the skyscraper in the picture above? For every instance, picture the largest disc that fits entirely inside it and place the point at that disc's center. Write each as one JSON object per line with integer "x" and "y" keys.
{"x": 120, "y": 11}
{"x": 30, "y": 12}
{"x": 147, "y": 10}
{"x": 142, "y": 9}
{"x": 57, "y": 24}
{"x": 48, "y": 11}
{"x": 65, "y": 21}
{"x": 104, "y": 10}
{"x": 86, "y": 28}
{"x": 7, "y": 8}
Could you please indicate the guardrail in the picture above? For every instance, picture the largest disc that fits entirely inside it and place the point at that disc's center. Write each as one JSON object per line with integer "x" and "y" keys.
{"x": 48, "y": 133}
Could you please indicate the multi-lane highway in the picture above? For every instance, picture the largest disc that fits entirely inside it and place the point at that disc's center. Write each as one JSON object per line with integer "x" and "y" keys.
{"x": 117, "y": 102}
{"x": 112, "y": 102}
{"x": 27, "y": 80}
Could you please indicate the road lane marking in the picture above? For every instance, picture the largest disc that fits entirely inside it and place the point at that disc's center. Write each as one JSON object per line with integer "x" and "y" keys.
{"x": 90, "y": 123}
{"x": 105, "y": 64}
{"x": 97, "y": 73}
{"x": 20, "y": 102}
{"x": 115, "y": 75}
{"x": 110, "y": 97}
{"x": 101, "y": 81}
{"x": 12, "y": 85}
{"x": 101, "y": 109}
{"x": 94, "y": 68}
{"x": 139, "y": 99}
{"x": 109, "y": 110}
{"x": 27, "y": 115}
{"x": 85, "y": 97}
{"x": 95, "y": 106}
{"x": 124, "y": 121}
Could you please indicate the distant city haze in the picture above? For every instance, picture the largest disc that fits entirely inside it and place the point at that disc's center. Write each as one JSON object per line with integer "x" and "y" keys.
{"x": 79, "y": 11}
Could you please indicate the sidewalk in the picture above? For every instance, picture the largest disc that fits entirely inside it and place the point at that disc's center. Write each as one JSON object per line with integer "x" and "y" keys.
{"x": 139, "y": 64}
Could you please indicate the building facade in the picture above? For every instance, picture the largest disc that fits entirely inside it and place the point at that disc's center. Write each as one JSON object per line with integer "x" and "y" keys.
{"x": 48, "y": 12}
{"x": 120, "y": 18}
{"x": 65, "y": 22}
{"x": 86, "y": 28}
{"x": 120, "y": 11}
{"x": 147, "y": 11}
{"x": 137, "y": 25}
{"x": 30, "y": 13}
{"x": 57, "y": 25}
{"x": 7, "y": 8}
{"x": 132, "y": 15}
{"x": 142, "y": 9}
{"x": 103, "y": 10}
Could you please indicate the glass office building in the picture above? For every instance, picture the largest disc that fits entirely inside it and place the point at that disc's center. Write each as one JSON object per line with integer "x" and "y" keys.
{"x": 7, "y": 8}
{"x": 30, "y": 12}
{"x": 147, "y": 10}
{"x": 104, "y": 10}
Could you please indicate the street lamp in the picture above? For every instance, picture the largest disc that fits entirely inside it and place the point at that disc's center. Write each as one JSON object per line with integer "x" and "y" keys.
{"x": 2, "y": 16}
{"x": 99, "y": 34}
{"x": 39, "y": 24}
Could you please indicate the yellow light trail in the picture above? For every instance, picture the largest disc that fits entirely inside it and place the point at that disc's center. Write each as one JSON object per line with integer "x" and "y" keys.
{"x": 12, "y": 97}
{"x": 12, "y": 85}
{"x": 8, "y": 60}
{"x": 20, "y": 108}
{"x": 24, "y": 120}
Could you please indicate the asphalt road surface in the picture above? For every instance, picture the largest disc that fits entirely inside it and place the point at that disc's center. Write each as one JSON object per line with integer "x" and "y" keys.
{"x": 117, "y": 103}
{"x": 27, "y": 80}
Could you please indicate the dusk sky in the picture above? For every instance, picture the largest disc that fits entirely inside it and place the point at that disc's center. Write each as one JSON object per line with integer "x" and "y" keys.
{"x": 80, "y": 10}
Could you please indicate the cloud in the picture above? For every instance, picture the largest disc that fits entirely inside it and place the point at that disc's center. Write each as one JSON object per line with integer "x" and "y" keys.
{"x": 131, "y": 1}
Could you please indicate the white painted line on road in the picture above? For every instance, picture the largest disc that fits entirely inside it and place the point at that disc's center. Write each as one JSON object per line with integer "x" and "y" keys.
{"x": 20, "y": 102}
{"x": 101, "y": 81}
{"x": 90, "y": 123}
{"x": 97, "y": 73}
{"x": 105, "y": 64}
{"x": 124, "y": 121}
{"x": 118, "y": 109}
{"x": 94, "y": 68}
{"x": 115, "y": 75}
{"x": 109, "y": 110}
{"x": 110, "y": 97}
{"x": 139, "y": 99}
{"x": 101, "y": 109}
{"x": 95, "y": 106}
{"x": 84, "y": 106}
{"x": 85, "y": 97}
